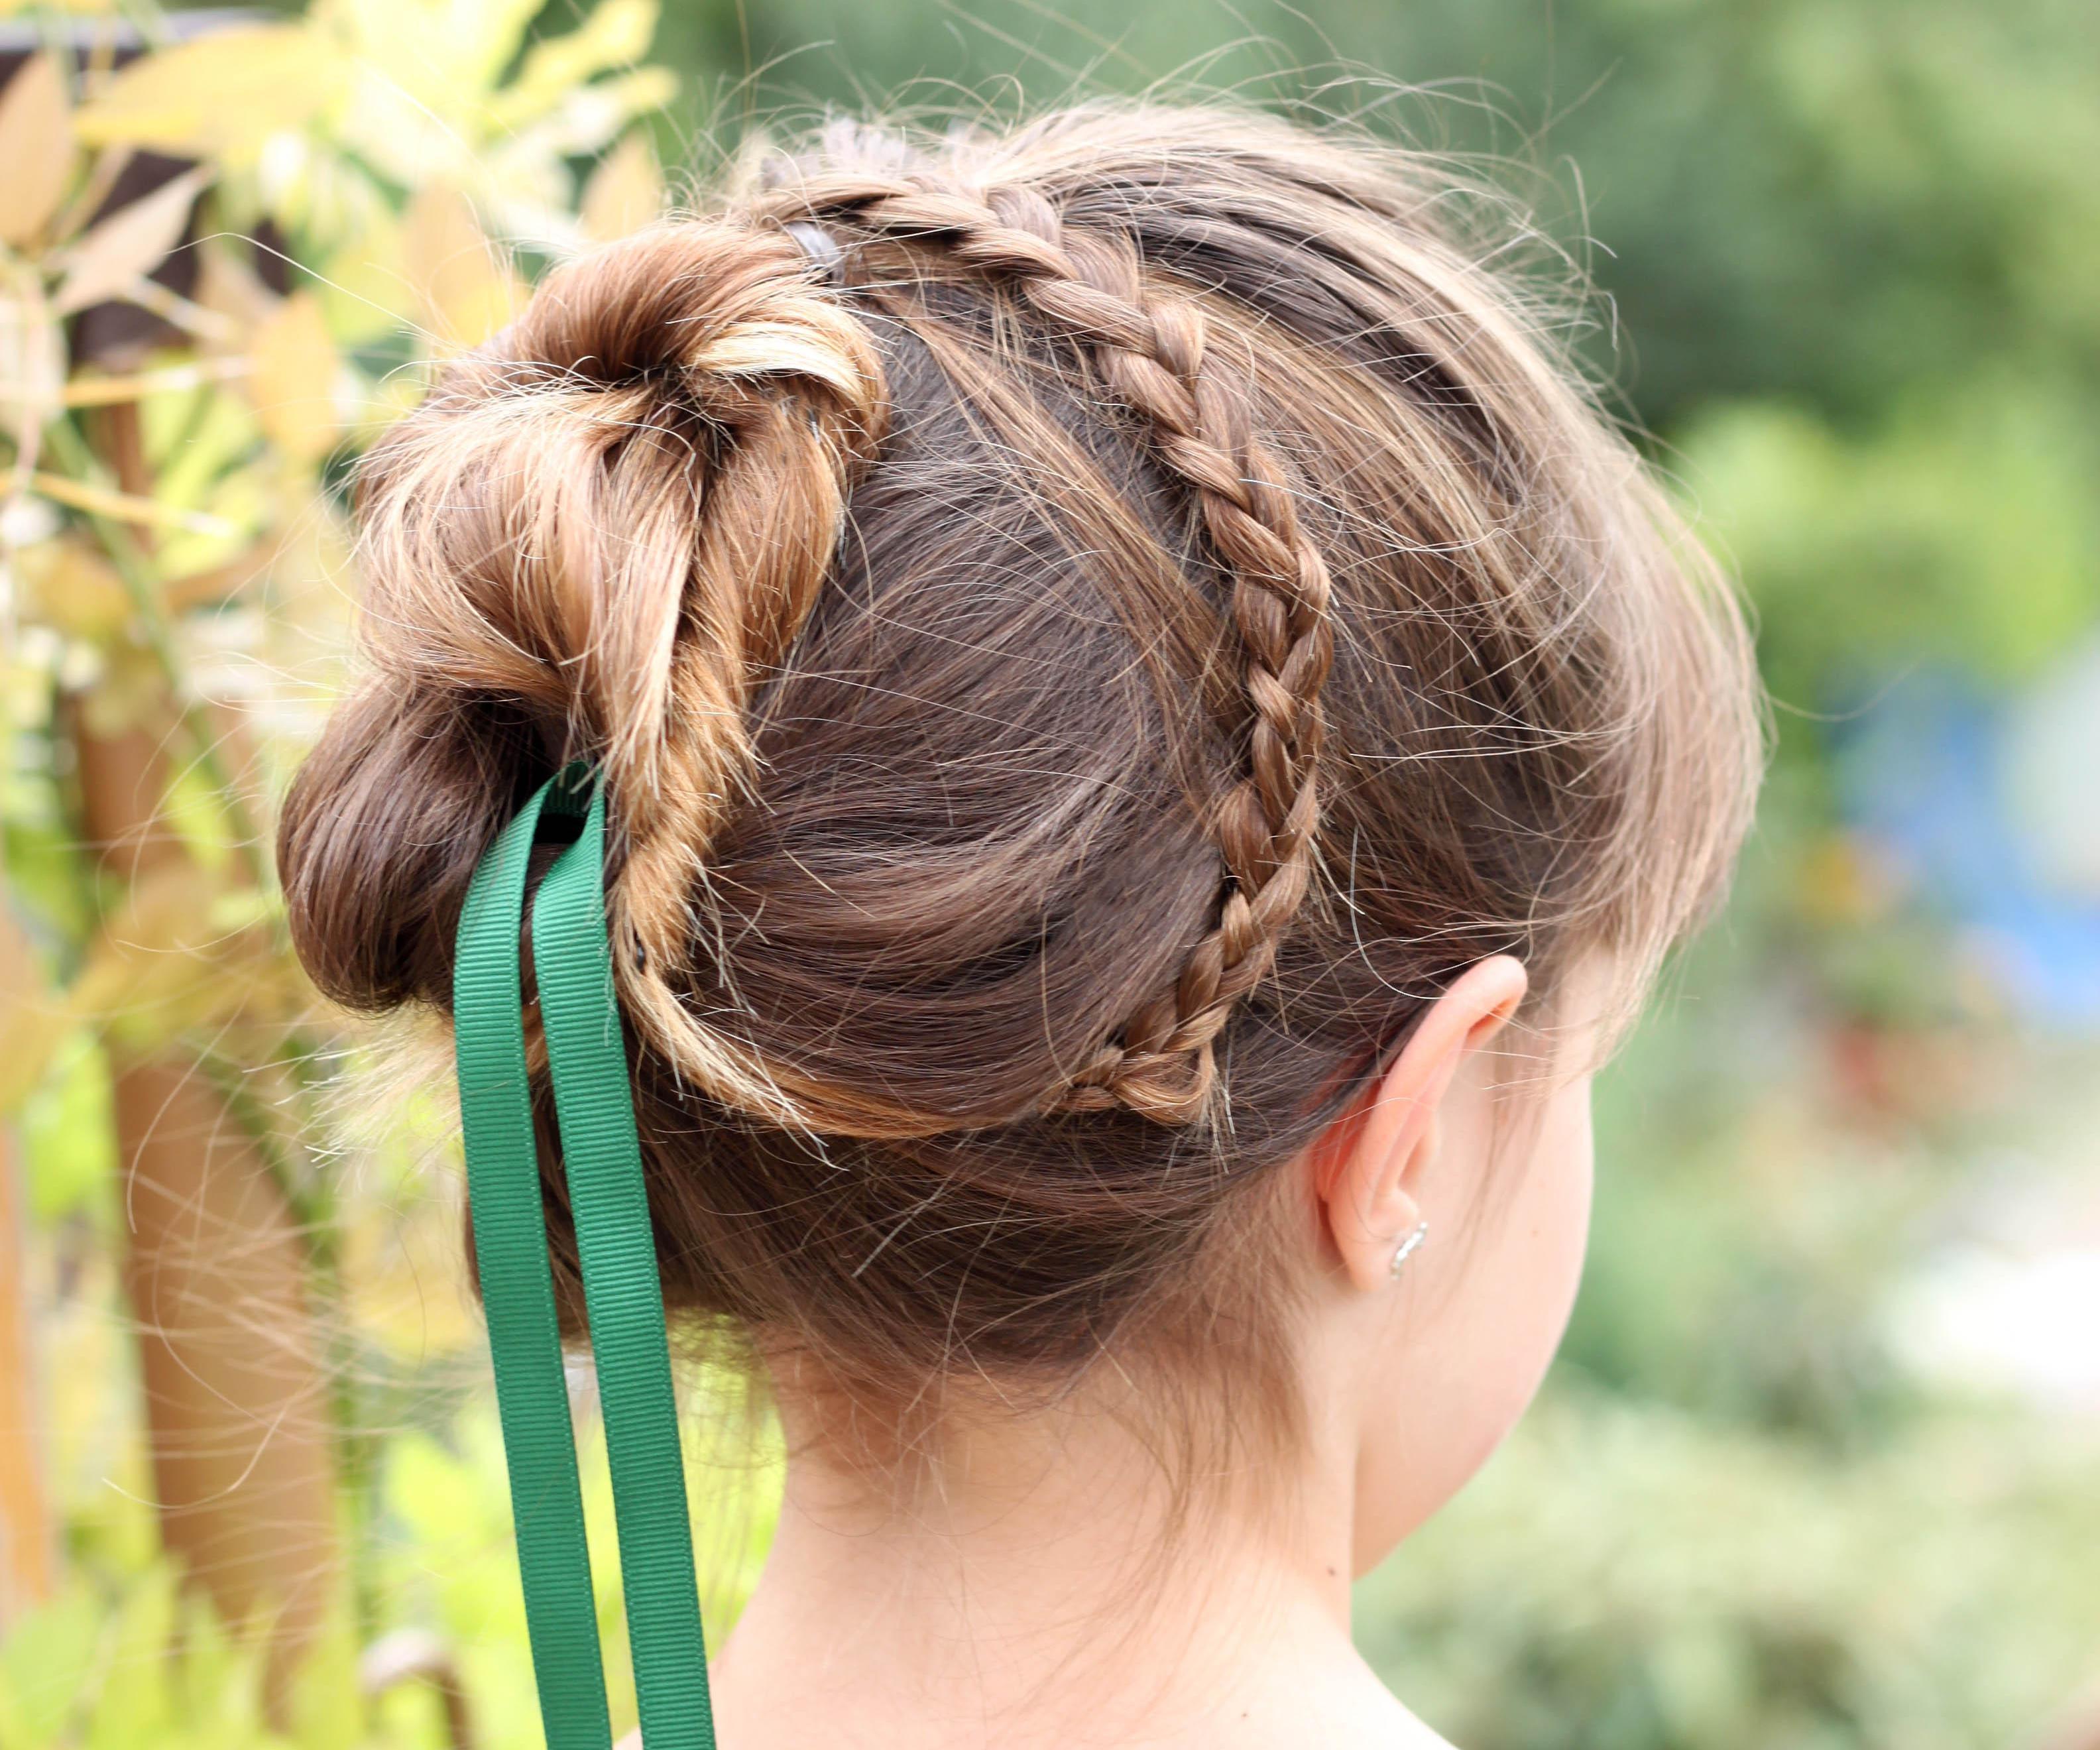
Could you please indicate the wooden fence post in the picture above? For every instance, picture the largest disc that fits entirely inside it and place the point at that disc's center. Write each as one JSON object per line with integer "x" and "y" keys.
{"x": 237, "y": 1407}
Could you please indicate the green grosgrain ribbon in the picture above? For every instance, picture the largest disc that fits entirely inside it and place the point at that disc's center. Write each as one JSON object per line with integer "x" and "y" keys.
{"x": 602, "y": 1156}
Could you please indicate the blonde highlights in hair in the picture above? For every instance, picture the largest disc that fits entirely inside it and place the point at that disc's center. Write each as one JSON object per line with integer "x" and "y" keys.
{"x": 1087, "y": 629}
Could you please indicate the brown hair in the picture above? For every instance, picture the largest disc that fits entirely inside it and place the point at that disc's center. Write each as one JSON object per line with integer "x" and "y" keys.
{"x": 1087, "y": 631}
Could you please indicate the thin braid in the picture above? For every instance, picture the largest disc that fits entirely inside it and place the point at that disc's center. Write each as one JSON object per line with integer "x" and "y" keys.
{"x": 1149, "y": 343}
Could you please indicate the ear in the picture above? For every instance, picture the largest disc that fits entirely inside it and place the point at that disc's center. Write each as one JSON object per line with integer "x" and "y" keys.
{"x": 1367, "y": 1167}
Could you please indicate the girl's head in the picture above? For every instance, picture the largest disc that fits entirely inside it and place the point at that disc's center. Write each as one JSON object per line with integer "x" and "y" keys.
{"x": 1121, "y": 658}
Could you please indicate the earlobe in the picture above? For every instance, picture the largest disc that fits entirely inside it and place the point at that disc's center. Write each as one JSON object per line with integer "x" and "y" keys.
{"x": 1368, "y": 1169}
{"x": 1407, "y": 1249}
{"x": 1371, "y": 1209}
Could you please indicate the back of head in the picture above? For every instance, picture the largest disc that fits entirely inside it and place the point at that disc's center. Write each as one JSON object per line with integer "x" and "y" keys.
{"x": 1087, "y": 630}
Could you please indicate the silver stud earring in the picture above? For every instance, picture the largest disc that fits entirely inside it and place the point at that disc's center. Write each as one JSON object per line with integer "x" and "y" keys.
{"x": 1408, "y": 1247}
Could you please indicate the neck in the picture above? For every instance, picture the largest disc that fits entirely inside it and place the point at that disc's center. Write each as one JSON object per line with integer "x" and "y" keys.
{"x": 1040, "y": 1587}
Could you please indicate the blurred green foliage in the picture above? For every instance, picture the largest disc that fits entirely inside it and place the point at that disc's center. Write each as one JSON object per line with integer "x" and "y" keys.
{"x": 122, "y": 1660}
{"x": 1624, "y": 1575}
{"x": 1841, "y": 250}
{"x": 1827, "y": 202}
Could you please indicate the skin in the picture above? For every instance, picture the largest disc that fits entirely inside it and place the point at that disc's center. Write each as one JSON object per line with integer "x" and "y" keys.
{"x": 1012, "y": 1603}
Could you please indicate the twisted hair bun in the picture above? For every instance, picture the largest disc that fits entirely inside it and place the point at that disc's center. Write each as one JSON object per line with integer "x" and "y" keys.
{"x": 597, "y": 531}
{"x": 1085, "y": 631}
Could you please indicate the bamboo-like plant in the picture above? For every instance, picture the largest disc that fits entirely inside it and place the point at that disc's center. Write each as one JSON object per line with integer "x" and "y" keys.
{"x": 223, "y": 256}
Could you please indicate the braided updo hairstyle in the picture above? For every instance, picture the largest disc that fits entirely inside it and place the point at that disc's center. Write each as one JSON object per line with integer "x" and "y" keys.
{"x": 1087, "y": 631}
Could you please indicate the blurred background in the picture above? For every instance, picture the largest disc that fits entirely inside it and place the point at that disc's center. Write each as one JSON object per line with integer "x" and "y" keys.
{"x": 1819, "y": 1467}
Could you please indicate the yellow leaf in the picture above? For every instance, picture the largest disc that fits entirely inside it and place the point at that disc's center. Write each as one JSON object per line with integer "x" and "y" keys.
{"x": 234, "y": 509}
{"x": 35, "y": 145}
{"x": 467, "y": 292}
{"x": 92, "y": 389}
{"x": 363, "y": 290}
{"x": 182, "y": 951}
{"x": 190, "y": 448}
{"x": 294, "y": 380}
{"x": 593, "y": 114}
{"x": 624, "y": 193}
{"x": 616, "y": 34}
{"x": 217, "y": 585}
{"x": 219, "y": 96}
{"x": 131, "y": 242}
{"x": 72, "y": 588}
{"x": 445, "y": 55}
{"x": 125, "y": 507}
